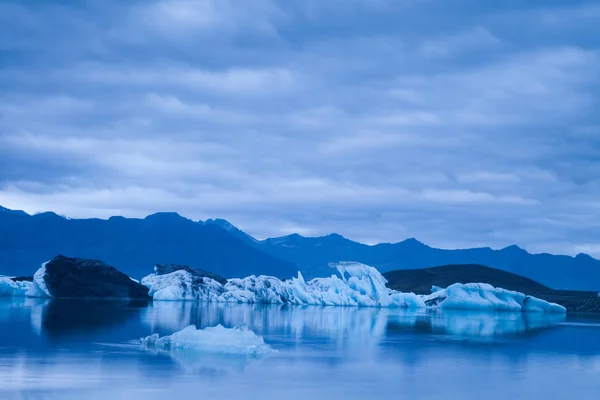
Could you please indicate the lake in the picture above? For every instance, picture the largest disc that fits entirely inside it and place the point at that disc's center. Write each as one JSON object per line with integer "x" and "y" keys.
{"x": 73, "y": 349}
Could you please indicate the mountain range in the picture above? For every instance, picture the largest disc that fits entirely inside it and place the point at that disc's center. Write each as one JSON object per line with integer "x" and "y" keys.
{"x": 135, "y": 245}
{"x": 132, "y": 245}
{"x": 556, "y": 271}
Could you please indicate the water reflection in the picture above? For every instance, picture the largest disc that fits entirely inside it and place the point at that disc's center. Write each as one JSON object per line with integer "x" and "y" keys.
{"x": 57, "y": 319}
{"x": 347, "y": 324}
{"x": 63, "y": 318}
{"x": 337, "y": 323}
{"x": 346, "y": 332}
{"x": 192, "y": 362}
{"x": 125, "y": 320}
{"x": 85, "y": 349}
{"x": 473, "y": 325}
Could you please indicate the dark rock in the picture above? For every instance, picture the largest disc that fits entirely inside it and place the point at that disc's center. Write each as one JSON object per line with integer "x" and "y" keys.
{"x": 80, "y": 278}
{"x": 420, "y": 281}
{"x": 162, "y": 269}
{"x": 582, "y": 305}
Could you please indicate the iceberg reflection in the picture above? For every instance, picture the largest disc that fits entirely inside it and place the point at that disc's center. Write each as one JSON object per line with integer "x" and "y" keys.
{"x": 345, "y": 324}
{"x": 464, "y": 324}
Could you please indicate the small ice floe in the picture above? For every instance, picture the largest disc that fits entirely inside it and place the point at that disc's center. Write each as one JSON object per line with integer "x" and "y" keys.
{"x": 217, "y": 339}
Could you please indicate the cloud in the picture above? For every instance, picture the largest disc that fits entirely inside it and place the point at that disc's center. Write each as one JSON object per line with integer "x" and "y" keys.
{"x": 478, "y": 39}
{"x": 235, "y": 81}
{"x": 180, "y": 18}
{"x": 51, "y": 107}
{"x": 467, "y": 196}
{"x": 515, "y": 90}
{"x": 482, "y": 176}
{"x": 476, "y": 129}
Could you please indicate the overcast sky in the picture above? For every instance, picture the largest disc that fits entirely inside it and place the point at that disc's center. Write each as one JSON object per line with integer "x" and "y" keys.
{"x": 461, "y": 123}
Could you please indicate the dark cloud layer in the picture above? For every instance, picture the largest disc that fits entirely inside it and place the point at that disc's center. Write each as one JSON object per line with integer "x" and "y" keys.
{"x": 461, "y": 123}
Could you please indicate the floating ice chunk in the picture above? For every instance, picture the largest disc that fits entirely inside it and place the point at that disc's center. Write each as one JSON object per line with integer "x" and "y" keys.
{"x": 435, "y": 288}
{"x": 482, "y": 296}
{"x": 38, "y": 288}
{"x": 256, "y": 289}
{"x": 358, "y": 285}
{"x": 407, "y": 300}
{"x": 218, "y": 339}
{"x": 533, "y": 304}
{"x": 479, "y": 296}
{"x": 181, "y": 286}
{"x": 23, "y": 287}
{"x": 8, "y": 287}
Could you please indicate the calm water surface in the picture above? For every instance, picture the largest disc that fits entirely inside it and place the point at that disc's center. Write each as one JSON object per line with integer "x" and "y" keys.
{"x": 51, "y": 349}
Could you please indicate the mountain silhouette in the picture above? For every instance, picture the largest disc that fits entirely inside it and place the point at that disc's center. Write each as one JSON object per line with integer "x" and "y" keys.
{"x": 131, "y": 245}
{"x": 312, "y": 255}
{"x": 135, "y": 245}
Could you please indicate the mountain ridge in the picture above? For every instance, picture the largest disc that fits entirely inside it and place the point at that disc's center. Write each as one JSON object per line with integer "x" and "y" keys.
{"x": 313, "y": 254}
{"x": 133, "y": 245}
{"x": 560, "y": 271}
{"x": 168, "y": 237}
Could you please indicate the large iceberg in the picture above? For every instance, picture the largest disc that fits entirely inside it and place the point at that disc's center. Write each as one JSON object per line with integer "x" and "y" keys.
{"x": 356, "y": 285}
{"x": 217, "y": 339}
{"x": 182, "y": 285}
{"x": 485, "y": 297}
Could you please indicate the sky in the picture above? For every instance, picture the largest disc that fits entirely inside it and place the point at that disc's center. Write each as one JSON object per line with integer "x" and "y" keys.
{"x": 460, "y": 123}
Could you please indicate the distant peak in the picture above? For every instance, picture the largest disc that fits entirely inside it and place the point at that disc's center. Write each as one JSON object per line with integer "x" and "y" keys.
{"x": 9, "y": 211}
{"x": 48, "y": 214}
{"x": 293, "y": 236}
{"x": 514, "y": 248}
{"x": 165, "y": 216}
{"x": 335, "y": 238}
{"x": 228, "y": 227}
{"x": 413, "y": 242}
{"x": 583, "y": 256}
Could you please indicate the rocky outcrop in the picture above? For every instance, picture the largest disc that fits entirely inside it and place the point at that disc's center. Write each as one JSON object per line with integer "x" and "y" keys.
{"x": 161, "y": 269}
{"x": 65, "y": 277}
{"x": 585, "y": 305}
